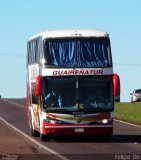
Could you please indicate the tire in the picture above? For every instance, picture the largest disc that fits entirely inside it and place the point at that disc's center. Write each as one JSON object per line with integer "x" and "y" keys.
{"x": 107, "y": 138}
{"x": 44, "y": 137}
{"x": 118, "y": 100}
{"x": 132, "y": 100}
{"x": 33, "y": 132}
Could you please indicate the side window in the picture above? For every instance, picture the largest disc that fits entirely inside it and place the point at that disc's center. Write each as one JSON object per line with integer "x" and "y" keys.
{"x": 29, "y": 53}
{"x": 33, "y": 43}
{"x": 32, "y": 52}
{"x": 34, "y": 98}
{"x": 40, "y": 56}
{"x": 36, "y": 50}
{"x": 27, "y": 59}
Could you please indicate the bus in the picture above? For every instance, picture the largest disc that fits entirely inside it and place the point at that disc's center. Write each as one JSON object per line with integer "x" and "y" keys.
{"x": 69, "y": 83}
{"x": 116, "y": 84}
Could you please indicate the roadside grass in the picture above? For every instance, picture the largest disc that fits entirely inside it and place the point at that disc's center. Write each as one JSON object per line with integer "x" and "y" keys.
{"x": 129, "y": 112}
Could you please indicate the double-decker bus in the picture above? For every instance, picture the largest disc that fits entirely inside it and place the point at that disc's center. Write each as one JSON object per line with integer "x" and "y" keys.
{"x": 70, "y": 83}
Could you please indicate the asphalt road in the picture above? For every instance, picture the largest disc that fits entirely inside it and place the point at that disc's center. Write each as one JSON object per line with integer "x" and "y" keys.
{"x": 126, "y": 140}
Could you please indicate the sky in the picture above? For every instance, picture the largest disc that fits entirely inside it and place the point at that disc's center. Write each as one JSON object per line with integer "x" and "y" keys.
{"x": 20, "y": 19}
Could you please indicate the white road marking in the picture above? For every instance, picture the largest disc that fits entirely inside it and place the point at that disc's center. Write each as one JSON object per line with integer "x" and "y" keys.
{"x": 43, "y": 146}
{"x": 13, "y": 103}
{"x": 58, "y": 155}
{"x": 135, "y": 125}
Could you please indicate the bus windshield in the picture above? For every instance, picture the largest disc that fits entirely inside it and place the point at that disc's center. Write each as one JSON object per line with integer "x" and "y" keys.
{"x": 78, "y": 52}
{"x": 71, "y": 94}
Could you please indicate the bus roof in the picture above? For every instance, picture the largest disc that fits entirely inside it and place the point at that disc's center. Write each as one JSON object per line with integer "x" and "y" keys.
{"x": 70, "y": 33}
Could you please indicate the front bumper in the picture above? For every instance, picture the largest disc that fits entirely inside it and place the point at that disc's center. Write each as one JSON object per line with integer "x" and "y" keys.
{"x": 73, "y": 130}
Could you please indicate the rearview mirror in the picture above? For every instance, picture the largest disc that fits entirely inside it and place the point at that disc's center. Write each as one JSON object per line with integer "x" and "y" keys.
{"x": 38, "y": 86}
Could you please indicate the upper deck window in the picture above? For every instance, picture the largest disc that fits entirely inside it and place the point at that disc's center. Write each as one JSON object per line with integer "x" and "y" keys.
{"x": 78, "y": 52}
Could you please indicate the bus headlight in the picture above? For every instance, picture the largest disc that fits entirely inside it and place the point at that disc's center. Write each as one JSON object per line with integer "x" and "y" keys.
{"x": 104, "y": 121}
{"x": 53, "y": 121}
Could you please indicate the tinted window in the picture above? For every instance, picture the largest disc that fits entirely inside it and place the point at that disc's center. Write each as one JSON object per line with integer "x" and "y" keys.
{"x": 78, "y": 93}
{"x": 33, "y": 51}
{"x": 82, "y": 52}
{"x": 138, "y": 91}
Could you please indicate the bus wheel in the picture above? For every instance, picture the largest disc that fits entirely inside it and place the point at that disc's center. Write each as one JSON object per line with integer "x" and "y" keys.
{"x": 107, "y": 138}
{"x": 44, "y": 137}
{"x": 33, "y": 132}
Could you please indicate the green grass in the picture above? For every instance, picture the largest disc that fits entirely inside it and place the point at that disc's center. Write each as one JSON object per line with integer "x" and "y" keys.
{"x": 129, "y": 112}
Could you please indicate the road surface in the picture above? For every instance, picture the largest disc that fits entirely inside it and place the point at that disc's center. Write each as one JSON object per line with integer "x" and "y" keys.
{"x": 124, "y": 142}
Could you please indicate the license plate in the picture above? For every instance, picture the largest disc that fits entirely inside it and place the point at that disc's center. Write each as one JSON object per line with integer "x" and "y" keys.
{"x": 79, "y": 129}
